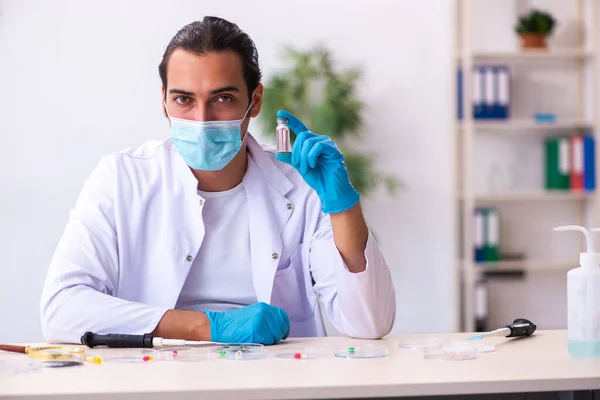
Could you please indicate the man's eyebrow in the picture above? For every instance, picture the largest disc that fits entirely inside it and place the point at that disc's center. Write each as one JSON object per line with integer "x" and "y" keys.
{"x": 225, "y": 89}
{"x": 179, "y": 91}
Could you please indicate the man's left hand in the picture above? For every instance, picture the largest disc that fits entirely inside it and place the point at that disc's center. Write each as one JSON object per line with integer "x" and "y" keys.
{"x": 321, "y": 164}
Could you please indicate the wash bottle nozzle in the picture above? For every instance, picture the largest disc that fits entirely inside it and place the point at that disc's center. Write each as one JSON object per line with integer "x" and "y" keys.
{"x": 588, "y": 258}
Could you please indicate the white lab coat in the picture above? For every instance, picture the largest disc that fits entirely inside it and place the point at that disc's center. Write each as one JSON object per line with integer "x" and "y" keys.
{"x": 137, "y": 226}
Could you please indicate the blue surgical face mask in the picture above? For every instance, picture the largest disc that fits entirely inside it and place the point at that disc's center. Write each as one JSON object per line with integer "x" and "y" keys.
{"x": 207, "y": 145}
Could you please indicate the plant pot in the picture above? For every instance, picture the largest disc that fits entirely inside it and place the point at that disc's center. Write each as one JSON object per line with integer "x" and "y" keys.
{"x": 533, "y": 41}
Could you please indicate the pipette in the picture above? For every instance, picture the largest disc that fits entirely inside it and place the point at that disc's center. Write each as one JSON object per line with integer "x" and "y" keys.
{"x": 520, "y": 327}
{"x": 114, "y": 340}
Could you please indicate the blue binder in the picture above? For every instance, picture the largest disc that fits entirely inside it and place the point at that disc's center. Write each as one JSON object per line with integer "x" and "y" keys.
{"x": 502, "y": 92}
{"x": 459, "y": 83}
{"x": 478, "y": 93}
{"x": 589, "y": 163}
{"x": 489, "y": 93}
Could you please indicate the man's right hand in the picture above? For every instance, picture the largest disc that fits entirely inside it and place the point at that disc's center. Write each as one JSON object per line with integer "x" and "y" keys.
{"x": 256, "y": 323}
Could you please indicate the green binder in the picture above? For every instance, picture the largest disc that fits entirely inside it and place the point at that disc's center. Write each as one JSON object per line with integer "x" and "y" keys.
{"x": 491, "y": 252}
{"x": 557, "y": 163}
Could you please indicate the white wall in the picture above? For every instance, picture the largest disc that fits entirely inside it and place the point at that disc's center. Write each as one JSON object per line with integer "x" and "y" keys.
{"x": 79, "y": 79}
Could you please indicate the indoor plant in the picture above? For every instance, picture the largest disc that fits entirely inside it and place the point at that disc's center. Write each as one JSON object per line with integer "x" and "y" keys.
{"x": 534, "y": 28}
{"x": 325, "y": 100}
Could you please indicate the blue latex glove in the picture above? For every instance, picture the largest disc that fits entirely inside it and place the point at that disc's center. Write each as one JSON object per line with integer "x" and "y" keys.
{"x": 322, "y": 166}
{"x": 256, "y": 323}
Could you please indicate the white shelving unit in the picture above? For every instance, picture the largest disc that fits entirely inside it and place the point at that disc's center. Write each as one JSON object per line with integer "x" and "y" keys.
{"x": 531, "y": 55}
{"x": 529, "y": 265}
{"x": 468, "y": 131}
{"x": 511, "y": 196}
{"x": 516, "y": 126}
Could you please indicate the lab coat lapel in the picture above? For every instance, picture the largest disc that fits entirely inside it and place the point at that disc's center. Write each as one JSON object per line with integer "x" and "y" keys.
{"x": 188, "y": 224}
{"x": 268, "y": 212}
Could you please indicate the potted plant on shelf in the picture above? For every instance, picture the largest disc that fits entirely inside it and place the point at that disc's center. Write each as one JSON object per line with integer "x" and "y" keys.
{"x": 325, "y": 100}
{"x": 533, "y": 29}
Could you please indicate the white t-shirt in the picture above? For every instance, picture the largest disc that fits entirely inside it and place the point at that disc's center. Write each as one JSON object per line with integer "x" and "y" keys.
{"x": 221, "y": 276}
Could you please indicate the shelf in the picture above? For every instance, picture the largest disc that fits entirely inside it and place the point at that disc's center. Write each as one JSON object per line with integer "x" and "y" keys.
{"x": 513, "y": 126}
{"x": 533, "y": 195}
{"x": 529, "y": 265}
{"x": 507, "y": 56}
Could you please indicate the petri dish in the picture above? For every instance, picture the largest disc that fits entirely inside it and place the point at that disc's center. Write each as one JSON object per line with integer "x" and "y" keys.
{"x": 238, "y": 352}
{"x": 362, "y": 351}
{"x": 171, "y": 349}
{"x": 451, "y": 351}
{"x": 184, "y": 356}
{"x": 419, "y": 343}
{"x": 129, "y": 355}
{"x": 483, "y": 346}
{"x": 56, "y": 353}
{"x": 307, "y": 353}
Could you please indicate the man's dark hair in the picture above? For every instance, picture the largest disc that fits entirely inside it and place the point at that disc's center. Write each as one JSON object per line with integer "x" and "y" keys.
{"x": 215, "y": 34}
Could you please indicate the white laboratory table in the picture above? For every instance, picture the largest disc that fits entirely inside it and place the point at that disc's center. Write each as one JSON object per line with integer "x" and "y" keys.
{"x": 540, "y": 363}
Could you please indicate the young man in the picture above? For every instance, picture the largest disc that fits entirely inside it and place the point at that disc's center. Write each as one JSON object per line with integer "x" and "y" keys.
{"x": 207, "y": 235}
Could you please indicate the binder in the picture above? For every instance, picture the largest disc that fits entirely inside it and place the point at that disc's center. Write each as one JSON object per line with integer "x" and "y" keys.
{"x": 489, "y": 93}
{"x": 479, "y": 234}
{"x": 503, "y": 92}
{"x": 576, "y": 174}
{"x": 481, "y": 305}
{"x": 589, "y": 163}
{"x": 459, "y": 86}
{"x": 557, "y": 163}
{"x": 492, "y": 235}
{"x": 477, "y": 93}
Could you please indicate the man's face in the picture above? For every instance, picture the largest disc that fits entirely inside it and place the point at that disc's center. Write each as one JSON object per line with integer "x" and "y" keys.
{"x": 209, "y": 87}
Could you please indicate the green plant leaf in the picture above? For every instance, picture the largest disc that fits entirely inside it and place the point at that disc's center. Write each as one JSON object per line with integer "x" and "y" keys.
{"x": 535, "y": 21}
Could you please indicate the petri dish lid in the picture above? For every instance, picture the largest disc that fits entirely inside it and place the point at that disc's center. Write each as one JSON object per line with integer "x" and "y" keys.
{"x": 362, "y": 351}
{"x": 128, "y": 355}
{"x": 420, "y": 343}
{"x": 55, "y": 352}
{"x": 307, "y": 353}
{"x": 451, "y": 351}
{"x": 184, "y": 356}
{"x": 238, "y": 351}
{"x": 171, "y": 349}
{"x": 484, "y": 346}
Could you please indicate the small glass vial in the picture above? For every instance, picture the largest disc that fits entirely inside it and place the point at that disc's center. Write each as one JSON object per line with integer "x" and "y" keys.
{"x": 283, "y": 136}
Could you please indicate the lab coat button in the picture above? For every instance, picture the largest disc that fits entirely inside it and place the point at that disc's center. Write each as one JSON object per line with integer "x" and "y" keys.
{"x": 275, "y": 256}
{"x": 201, "y": 202}
{"x": 289, "y": 206}
{"x": 189, "y": 258}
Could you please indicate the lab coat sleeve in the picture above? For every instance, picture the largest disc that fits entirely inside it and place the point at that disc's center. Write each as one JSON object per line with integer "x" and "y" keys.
{"x": 361, "y": 305}
{"x": 83, "y": 273}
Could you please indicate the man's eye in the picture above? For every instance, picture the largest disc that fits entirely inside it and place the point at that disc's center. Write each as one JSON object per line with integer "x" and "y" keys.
{"x": 182, "y": 100}
{"x": 224, "y": 99}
